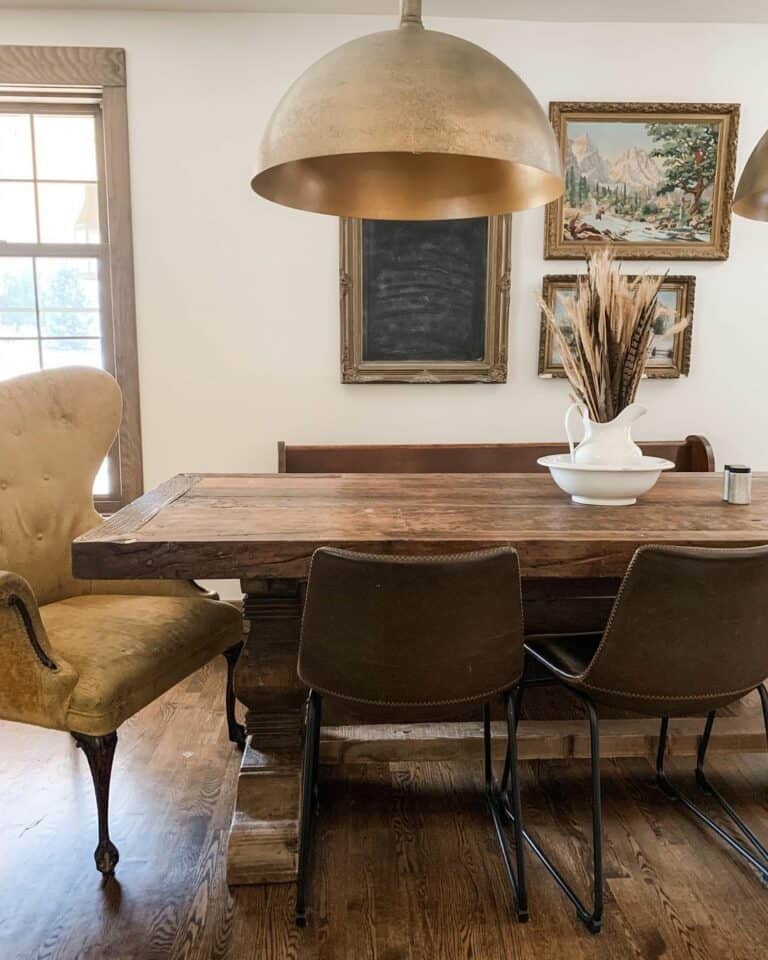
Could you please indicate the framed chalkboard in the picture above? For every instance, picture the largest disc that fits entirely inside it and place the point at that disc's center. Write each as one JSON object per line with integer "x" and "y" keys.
{"x": 424, "y": 301}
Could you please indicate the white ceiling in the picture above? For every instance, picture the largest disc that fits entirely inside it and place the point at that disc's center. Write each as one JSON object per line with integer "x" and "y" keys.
{"x": 649, "y": 11}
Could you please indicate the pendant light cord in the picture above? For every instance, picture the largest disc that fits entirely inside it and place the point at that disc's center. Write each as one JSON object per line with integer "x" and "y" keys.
{"x": 410, "y": 12}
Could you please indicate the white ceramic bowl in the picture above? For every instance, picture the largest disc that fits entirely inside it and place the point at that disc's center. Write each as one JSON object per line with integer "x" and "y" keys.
{"x": 605, "y": 486}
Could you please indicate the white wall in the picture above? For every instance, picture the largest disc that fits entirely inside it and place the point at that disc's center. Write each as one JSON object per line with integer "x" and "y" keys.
{"x": 237, "y": 298}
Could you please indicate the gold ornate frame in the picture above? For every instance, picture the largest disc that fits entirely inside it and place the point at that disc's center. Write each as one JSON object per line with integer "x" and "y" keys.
{"x": 556, "y": 247}
{"x": 492, "y": 368}
{"x": 681, "y": 350}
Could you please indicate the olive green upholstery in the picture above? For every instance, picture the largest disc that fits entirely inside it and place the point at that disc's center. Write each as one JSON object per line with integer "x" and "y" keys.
{"x": 127, "y": 651}
{"x": 81, "y": 655}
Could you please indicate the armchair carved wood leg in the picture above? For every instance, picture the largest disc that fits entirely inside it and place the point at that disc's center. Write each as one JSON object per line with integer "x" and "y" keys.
{"x": 236, "y": 730}
{"x": 100, "y": 752}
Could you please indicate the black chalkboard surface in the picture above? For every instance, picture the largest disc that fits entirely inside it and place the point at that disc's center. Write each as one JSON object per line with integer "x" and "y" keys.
{"x": 424, "y": 288}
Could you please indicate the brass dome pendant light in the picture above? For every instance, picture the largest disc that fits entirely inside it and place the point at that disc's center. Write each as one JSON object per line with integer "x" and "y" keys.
{"x": 751, "y": 198}
{"x": 409, "y": 124}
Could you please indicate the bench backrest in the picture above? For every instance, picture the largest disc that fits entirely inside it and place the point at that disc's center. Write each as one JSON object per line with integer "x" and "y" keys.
{"x": 694, "y": 454}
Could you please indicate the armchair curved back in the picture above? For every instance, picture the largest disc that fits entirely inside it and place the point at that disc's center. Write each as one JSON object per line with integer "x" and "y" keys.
{"x": 56, "y": 427}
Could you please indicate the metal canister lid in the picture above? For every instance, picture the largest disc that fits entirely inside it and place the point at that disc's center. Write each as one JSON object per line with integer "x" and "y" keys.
{"x": 737, "y": 468}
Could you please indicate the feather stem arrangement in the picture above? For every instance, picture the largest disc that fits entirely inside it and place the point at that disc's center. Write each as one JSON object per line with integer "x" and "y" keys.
{"x": 612, "y": 319}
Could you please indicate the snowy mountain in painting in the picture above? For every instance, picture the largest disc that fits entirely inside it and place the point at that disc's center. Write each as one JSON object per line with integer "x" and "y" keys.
{"x": 635, "y": 167}
{"x": 586, "y": 160}
{"x": 638, "y": 169}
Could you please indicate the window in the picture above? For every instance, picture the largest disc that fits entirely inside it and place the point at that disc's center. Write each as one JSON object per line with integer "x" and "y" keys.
{"x": 66, "y": 278}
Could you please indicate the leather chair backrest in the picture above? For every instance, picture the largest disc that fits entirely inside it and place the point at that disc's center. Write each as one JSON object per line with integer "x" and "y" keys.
{"x": 55, "y": 430}
{"x": 688, "y": 623}
{"x": 412, "y": 631}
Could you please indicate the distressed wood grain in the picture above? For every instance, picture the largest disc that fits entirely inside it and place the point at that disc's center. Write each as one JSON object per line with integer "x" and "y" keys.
{"x": 268, "y": 525}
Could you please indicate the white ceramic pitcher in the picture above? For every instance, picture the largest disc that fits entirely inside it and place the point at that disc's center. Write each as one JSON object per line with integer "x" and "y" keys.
{"x": 605, "y": 444}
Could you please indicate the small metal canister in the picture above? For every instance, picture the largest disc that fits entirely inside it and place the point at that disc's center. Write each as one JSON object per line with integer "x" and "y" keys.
{"x": 737, "y": 483}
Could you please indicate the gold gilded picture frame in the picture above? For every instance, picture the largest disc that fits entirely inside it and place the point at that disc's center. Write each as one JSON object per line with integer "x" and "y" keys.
{"x": 491, "y": 367}
{"x": 655, "y": 180}
{"x": 670, "y": 356}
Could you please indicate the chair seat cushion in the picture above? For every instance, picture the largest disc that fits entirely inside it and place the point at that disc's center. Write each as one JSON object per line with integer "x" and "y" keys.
{"x": 127, "y": 650}
{"x": 567, "y": 655}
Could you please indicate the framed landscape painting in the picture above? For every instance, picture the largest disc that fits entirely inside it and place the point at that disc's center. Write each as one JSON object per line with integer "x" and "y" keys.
{"x": 670, "y": 355}
{"x": 424, "y": 301}
{"x": 653, "y": 179}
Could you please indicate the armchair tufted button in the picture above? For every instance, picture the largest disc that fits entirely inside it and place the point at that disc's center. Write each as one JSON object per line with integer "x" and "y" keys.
{"x": 46, "y": 476}
{"x": 3, "y": 485}
{"x": 39, "y": 536}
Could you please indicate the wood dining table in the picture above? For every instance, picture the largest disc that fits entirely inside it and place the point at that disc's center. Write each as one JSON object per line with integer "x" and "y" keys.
{"x": 261, "y": 529}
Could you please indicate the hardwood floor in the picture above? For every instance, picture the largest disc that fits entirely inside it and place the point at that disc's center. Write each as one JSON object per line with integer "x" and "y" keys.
{"x": 406, "y": 868}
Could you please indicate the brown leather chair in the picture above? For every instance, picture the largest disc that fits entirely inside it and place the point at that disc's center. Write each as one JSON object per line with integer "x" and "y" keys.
{"x": 687, "y": 634}
{"x": 413, "y": 632}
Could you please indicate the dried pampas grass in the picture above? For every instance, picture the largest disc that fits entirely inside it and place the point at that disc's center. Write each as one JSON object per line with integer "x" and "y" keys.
{"x": 612, "y": 319}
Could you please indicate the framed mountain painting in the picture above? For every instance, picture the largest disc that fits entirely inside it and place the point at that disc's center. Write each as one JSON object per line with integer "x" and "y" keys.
{"x": 655, "y": 180}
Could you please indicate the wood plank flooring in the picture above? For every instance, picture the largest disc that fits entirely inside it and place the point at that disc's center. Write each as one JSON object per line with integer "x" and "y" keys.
{"x": 407, "y": 865}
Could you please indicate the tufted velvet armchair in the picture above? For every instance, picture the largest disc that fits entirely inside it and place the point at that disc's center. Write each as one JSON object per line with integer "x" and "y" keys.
{"x": 78, "y": 655}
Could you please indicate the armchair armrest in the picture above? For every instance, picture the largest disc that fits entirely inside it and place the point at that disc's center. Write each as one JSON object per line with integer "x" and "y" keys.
{"x": 35, "y": 684}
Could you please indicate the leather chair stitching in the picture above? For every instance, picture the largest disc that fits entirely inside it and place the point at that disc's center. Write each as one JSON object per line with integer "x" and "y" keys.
{"x": 648, "y": 548}
{"x": 474, "y": 554}
{"x": 478, "y": 698}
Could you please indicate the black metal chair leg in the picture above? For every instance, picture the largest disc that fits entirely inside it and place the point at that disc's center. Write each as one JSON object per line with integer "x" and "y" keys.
{"x": 236, "y": 730}
{"x": 495, "y": 799}
{"x": 517, "y": 705}
{"x": 661, "y": 778}
{"x": 592, "y": 918}
{"x": 512, "y": 703}
{"x": 308, "y": 792}
{"x": 701, "y": 753}
{"x": 704, "y": 784}
{"x": 764, "y": 702}
{"x": 316, "y": 760}
{"x": 100, "y": 752}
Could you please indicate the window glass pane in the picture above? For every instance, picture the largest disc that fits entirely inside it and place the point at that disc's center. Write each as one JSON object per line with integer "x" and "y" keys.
{"x": 68, "y": 282}
{"x": 65, "y": 147}
{"x": 101, "y": 484}
{"x": 71, "y": 353}
{"x": 17, "y": 284}
{"x": 69, "y": 212}
{"x": 18, "y": 356}
{"x": 15, "y": 147}
{"x": 18, "y": 323}
{"x": 17, "y": 213}
{"x": 70, "y": 323}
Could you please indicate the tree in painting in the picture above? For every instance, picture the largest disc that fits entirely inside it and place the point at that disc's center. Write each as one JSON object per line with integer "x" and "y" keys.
{"x": 688, "y": 152}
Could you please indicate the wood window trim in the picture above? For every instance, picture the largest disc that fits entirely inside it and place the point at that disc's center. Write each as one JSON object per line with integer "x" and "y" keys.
{"x": 51, "y": 71}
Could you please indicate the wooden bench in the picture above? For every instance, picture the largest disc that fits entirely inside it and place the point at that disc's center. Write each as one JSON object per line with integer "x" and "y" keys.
{"x": 692, "y": 455}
